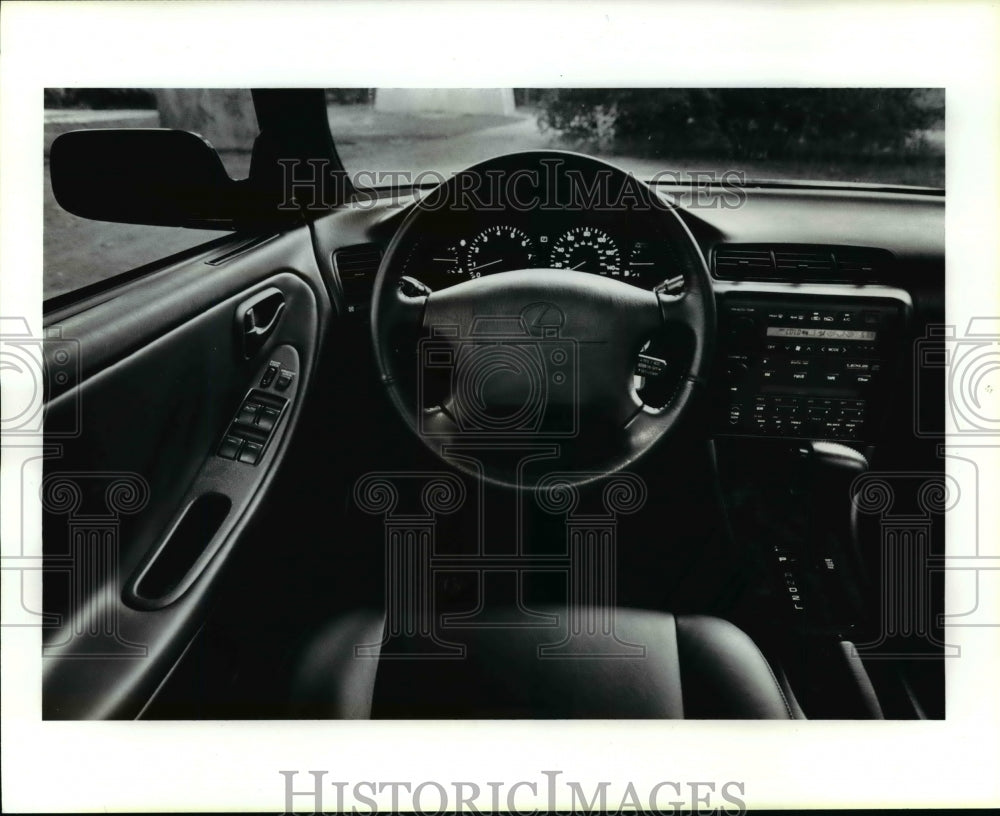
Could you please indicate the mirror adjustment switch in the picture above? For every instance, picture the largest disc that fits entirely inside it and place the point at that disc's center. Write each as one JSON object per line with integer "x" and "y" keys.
{"x": 250, "y": 453}
{"x": 230, "y": 447}
{"x": 269, "y": 375}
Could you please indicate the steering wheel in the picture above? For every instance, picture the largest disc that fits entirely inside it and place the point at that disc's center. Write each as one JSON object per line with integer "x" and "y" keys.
{"x": 539, "y": 363}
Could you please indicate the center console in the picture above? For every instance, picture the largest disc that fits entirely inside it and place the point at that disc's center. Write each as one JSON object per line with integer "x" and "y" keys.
{"x": 811, "y": 366}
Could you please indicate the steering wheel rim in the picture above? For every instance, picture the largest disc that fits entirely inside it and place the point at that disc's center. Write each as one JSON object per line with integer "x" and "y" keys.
{"x": 602, "y": 321}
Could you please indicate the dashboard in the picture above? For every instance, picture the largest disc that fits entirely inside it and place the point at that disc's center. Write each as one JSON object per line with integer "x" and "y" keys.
{"x": 800, "y": 352}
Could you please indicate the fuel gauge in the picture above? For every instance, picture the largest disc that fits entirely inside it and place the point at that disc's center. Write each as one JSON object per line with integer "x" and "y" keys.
{"x": 438, "y": 264}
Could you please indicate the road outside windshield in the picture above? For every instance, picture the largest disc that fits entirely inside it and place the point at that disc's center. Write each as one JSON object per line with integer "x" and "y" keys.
{"x": 856, "y": 135}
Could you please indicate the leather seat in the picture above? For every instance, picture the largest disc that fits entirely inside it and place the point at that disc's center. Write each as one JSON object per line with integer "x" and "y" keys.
{"x": 683, "y": 666}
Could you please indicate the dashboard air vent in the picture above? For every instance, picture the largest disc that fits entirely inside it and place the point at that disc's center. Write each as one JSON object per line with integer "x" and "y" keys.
{"x": 736, "y": 261}
{"x": 804, "y": 263}
{"x": 356, "y": 267}
{"x": 864, "y": 264}
{"x": 812, "y": 264}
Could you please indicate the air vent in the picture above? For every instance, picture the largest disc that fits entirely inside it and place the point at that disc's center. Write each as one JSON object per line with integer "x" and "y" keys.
{"x": 864, "y": 264}
{"x": 804, "y": 263}
{"x": 815, "y": 265}
{"x": 356, "y": 267}
{"x": 734, "y": 262}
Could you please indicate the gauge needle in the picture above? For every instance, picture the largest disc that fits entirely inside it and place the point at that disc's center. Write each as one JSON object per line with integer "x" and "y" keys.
{"x": 445, "y": 260}
{"x": 577, "y": 266}
{"x": 483, "y": 266}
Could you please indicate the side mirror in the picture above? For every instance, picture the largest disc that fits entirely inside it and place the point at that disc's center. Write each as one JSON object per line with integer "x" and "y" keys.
{"x": 157, "y": 177}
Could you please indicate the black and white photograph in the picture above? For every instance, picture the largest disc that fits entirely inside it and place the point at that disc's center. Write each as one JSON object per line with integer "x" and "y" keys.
{"x": 549, "y": 414}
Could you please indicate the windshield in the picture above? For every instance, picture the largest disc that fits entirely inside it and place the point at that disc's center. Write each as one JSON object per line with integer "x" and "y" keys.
{"x": 398, "y": 137}
{"x": 854, "y": 135}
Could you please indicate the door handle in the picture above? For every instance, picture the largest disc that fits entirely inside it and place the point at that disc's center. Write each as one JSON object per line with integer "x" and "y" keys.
{"x": 250, "y": 327}
{"x": 257, "y": 318}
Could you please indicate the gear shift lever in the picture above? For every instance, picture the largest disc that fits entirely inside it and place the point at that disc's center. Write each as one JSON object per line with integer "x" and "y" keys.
{"x": 832, "y": 556}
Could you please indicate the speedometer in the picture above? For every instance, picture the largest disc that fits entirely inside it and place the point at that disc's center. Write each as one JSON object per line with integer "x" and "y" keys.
{"x": 586, "y": 249}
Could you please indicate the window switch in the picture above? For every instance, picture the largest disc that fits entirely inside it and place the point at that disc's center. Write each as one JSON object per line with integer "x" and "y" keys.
{"x": 267, "y": 419}
{"x": 230, "y": 447}
{"x": 247, "y": 414}
{"x": 251, "y": 453}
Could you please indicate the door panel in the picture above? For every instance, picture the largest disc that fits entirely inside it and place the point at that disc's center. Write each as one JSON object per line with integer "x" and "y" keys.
{"x": 140, "y": 510}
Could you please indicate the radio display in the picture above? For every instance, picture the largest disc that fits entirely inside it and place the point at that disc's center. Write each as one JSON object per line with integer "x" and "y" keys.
{"x": 826, "y": 334}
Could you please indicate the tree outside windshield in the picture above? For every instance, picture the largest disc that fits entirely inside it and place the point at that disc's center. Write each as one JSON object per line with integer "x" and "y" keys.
{"x": 857, "y": 135}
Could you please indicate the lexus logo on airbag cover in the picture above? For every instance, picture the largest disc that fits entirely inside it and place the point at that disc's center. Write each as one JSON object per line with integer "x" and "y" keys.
{"x": 543, "y": 319}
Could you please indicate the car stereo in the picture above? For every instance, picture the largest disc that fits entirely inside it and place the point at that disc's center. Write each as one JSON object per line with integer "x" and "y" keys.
{"x": 813, "y": 367}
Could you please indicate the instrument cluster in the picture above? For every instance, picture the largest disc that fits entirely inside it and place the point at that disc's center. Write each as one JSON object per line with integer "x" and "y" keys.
{"x": 443, "y": 262}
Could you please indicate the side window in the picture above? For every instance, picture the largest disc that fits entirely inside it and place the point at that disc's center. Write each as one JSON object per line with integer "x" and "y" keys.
{"x": 77, "y": 251}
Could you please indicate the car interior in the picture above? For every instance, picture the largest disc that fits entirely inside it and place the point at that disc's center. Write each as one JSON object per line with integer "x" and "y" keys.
{"x": 542, "y": 440}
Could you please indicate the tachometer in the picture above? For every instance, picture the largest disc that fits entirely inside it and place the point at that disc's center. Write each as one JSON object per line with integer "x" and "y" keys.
{"x": 587, "y": 249}
{"x": 499, "y": 249}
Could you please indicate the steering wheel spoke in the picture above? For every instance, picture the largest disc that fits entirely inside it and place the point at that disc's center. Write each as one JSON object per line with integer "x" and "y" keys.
{"x": 682, "y": 308}
{"x": 405, "y": 309}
